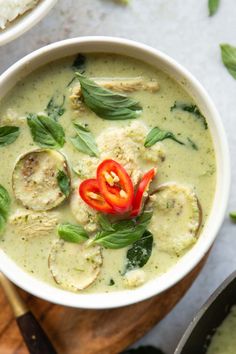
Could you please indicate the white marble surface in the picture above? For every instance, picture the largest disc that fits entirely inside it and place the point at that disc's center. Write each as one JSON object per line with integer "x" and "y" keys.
{"x": 183, "y": 30}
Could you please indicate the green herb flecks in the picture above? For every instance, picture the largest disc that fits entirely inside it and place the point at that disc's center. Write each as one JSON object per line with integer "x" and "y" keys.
{"x": 55, "y": 110}
{"x": 84, "y": 141}
{"x": 192, "y": 144}
{"x": 107, "y": 104}
{"x": 228, "y": 54}
{"x": 45, "y": 131}
{"x": 124, "y": 232}
{"x": 233, "y": 216}
{"x": 190, "y": 108}
{"x": 8, "y": 134}
{"x": 72, "y": 233}
{"x": 63, "y": 182}
{"x": 79, "y": 63}
{"x": 5, "y": 202}
{"x": 140, "y": 252}
{"x": 213, "y": 6}
{"x": 156, "y": 134}
{"x": 111, "y": 282}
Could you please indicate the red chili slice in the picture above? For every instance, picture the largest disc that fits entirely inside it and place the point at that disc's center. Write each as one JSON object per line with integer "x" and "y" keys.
{"x": 115, "y": 185}
{"x": 142, "y": 188}
{"x": 90, "y": 193}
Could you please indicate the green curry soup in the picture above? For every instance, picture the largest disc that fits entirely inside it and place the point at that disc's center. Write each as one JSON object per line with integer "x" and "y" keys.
{"x": 57, "y": 127}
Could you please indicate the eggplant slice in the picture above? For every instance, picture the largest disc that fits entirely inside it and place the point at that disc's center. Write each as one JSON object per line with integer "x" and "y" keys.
{"x": 35, "y": 179}
{"x": 177, "y": 217}
{"x": 74, "y": 266}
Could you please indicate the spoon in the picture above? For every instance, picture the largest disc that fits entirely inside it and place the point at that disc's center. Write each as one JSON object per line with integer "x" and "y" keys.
{"x": 34, "y": 336}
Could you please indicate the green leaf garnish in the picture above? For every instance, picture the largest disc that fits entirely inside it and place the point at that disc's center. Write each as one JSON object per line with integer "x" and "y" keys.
{"x": 84, "y": 141}
{"x": 5, "y": 202}
{"x": 72, "y": 233}
{"x": 55, "y": 110}
{"x": 8, "y": 134}
{"x": 156, "y": 134}
{"x": 63, "y": 182}
{"x": 107, "y": 104}
{"x": 193, "y": 144}
{"x": 45, "y": 131}
{"x": 191, "y": 108}
{"x": 233, "y": 216}
{"x": 140, "y": 252}
{"x": 228, "y": 54}
{"x": 105, "y": 223}
{"x": 124, "y": 232}
{"x": 79, "y": 63}
{"x": 213, "y": 6}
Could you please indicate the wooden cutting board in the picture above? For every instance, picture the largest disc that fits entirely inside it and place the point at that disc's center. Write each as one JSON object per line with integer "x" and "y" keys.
{"x": 76, "y": 331}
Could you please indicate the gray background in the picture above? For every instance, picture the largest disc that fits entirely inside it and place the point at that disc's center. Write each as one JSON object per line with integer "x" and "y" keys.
{"x": 183, "y": 30}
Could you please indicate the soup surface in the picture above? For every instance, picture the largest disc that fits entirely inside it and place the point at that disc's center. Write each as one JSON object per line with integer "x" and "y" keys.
{"x": 224, "y": 340}
{"x": 63, "y": 127}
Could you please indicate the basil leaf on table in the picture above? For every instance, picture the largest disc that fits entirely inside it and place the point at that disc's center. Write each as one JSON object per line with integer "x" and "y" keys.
{"x": 8, "y": 134}
{"x": 156, "y": 134}
{"x": 190, "y": 108}
{"x": 228, "y": 54}
{"x": 72, "y": 233}
{"x": 107, "y": 104}
{"x": 45, "y": 131}
{"x": 233, "y": 216}
{"x": 124, "y": 232}
{"x": 55, "y": 110}
{"x": 63, "y": 182}
{"x": 144, "y": 350}
{"x": 5, "y": 202}
{"x": 140, "y": 252}
{"x": 84, "y": 141}
{"x": 213, "y": 6}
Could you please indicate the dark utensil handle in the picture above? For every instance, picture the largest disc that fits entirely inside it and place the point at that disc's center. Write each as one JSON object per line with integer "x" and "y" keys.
{"x": 34, "y": 336}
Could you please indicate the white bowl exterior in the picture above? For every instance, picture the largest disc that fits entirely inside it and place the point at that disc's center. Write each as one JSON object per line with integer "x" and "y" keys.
{"x": 215, "y": 219}
{"x": 24, "y": 22}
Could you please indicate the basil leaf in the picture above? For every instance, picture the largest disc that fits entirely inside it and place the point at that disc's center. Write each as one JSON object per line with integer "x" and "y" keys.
{"x": 55, "y": 110}
{"x": 144, "y": 350}
{"x": 213, "y": 6}
{"x": 84, "y": 141}
{"x": 124, "y": 232}
{"x": 63, "y": 182}
{"x": 156, "y": 134}
{"x": 105, "y": 223}
{"x": 140, "y": 252}
{"x": 108, "y": 104}
{"x": 5, "y": 202}
{"x": 233, "y": 216}
{"x": 72, "y": 233}
{"x": 192, "y": 143}
{"x": 79, "y": 63}
{"x": 228, "y": 54}
{"x": 45, "y": 131}
{"x": 8, "y": 134}
{"x": 191, "y": 108}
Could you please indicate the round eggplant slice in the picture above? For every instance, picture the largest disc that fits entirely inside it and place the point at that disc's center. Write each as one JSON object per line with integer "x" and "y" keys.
{"x": 177, "y": 217}
{"x": 74, "y": 266}
{"x": 35, "y": 181}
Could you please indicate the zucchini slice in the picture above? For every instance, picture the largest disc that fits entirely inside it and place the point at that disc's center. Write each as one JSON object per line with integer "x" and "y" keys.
{"x": 35, "y": 181}
{"x": 74, "y": 266}
{"x": 34, "y": 224}
{"x": 177, "y": 217}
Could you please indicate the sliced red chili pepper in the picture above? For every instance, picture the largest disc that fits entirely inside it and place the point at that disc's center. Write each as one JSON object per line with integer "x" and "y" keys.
{"x": 91, "y": 195}
{"x": 115, "y": 185}
{"x": 142, "y": 188}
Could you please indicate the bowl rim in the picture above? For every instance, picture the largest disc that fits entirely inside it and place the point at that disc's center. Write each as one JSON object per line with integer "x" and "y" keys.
{"x": 215, "y": 219}
{"x": 25, "y": 22}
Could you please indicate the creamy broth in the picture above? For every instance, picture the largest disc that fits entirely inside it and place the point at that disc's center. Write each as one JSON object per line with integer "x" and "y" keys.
{"x": 192, "y": 167}
{"x": 224, "y": 340}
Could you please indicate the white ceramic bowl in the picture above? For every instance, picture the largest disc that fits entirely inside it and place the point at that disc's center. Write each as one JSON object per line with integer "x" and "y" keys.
{"x": 157, "y": 59}
{"x": 24, "y": 22}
